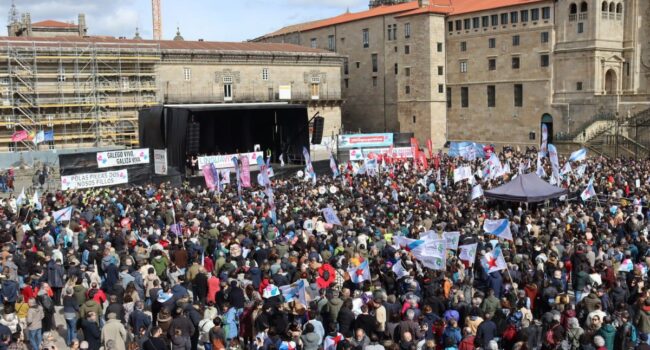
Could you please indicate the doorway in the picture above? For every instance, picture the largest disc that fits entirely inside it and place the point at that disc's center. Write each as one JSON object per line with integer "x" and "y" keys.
{"x": 610, "y": 82}
{"x": 547, "y": 120}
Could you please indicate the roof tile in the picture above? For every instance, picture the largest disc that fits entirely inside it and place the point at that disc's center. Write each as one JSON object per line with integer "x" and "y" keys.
{"x": 53, "y": 24}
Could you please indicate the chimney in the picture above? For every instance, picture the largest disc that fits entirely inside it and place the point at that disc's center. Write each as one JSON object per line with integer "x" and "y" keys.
{"x": 82, "y": 25}
{"x": 423, "y": 3}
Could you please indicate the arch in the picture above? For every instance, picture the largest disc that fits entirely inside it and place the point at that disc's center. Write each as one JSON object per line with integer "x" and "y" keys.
{"x": 584, "y": 7}
{"x": 610, "y": 82}
{"x": 619, "y": 8}
{"x": 612, "y": 7}
{"x": 573, "y": 8}
{"x": 605, "y": 6}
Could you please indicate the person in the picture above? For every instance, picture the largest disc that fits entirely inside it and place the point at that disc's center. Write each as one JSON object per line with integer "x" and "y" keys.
{"x": 70, "y": 313}
{"x": 138, "y": 319}
{"x": 155, "y": 341}
{"x": 114, "y": 332}
{"x": 92, "y": 333}
{"x": 35, "y": 317}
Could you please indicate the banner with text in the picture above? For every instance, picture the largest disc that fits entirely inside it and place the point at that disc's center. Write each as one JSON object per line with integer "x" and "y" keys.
{"x": 160, "y": 161}
{"x": 365, "y": 140}
{"x": 122, "y": 158}
{"x": 225, "y": 161}
{"x": 398, "y": 152}
{"x": 109, "y": 178}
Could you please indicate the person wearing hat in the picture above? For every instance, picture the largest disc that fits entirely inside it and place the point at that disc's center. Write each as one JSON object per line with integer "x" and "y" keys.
{"x": 114, "y": 332}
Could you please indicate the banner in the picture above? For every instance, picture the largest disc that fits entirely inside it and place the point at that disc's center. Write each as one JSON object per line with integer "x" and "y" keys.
{"x": 397, "y": 153}
{"x": 210, "y": 182}
{"x": 452, "y": 239}
{"x": 245, "y": 172}
{"x": 555, "y": 163}
{"x": 477, "y": 192}
{"x": 462, "y": 173}
{"x": 468, "y": 252}
{"x": 365, "y": 140}
{"x": 89, "y": 180}
{"x": 160, "y": 161}
{"x": 467, "y": 150}
{"x": 123, "y": 157}
{"x": 415, "y": 150}
{"x": 225, "y": 161}
{"x": 544, "y": 146}
{"x": 330, "y": 216}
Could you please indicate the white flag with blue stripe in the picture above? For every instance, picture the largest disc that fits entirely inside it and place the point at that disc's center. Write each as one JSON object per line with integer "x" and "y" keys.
{"x": 63, "y": 214}
{"x": 499, "y": 228}
{"x": 578, "y": 155}
{"x": 295, "y": 291}
{"x": 589, "y": 191}
{"x": 360, "y": 273}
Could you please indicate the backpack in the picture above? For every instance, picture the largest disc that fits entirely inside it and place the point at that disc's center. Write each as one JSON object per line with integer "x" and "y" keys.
{"x": 549, "y": 338}
{"x": 510, "y": 333}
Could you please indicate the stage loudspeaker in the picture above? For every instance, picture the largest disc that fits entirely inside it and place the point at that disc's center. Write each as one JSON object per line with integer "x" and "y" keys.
{"x": 193, "y": 138}
{"x": 317, "y": 134}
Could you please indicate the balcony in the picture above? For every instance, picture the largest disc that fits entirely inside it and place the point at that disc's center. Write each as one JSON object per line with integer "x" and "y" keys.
{"x": 583, "y": 16}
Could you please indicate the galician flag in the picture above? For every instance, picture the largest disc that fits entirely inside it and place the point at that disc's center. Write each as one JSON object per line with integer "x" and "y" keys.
{"x": 578, "y": 155}
{"x": 409, "y": 244}
{"x": 360, "y": 273}
{"x": 62, "y": 214}
{"x": 589, "y": 191}
{"x": 499, "y": 228}
{"x": 494, "y": 261}
{"x": 295, "y": 291}
{"x": 468, "y": 252}
{"x": 333, "y": 166}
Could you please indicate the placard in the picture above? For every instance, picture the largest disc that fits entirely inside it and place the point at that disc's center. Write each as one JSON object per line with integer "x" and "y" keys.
{"x": 109, "y": 178}
{"x": 225, "y": 161}
{"x": 365, "y": 140}
{"x": 160, "y": 161}
{"x": 122, "y": 157}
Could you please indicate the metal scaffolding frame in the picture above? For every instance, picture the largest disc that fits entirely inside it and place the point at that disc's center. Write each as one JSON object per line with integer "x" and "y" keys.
{"x": 87, "y": 94}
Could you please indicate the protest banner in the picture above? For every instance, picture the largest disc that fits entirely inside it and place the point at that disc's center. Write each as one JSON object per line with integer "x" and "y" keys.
{"x": 109, "y": 178}
{"x": 160, "y": 161}
{"x": 365, "y": 140}
{"x": 121, "y": 158}
{"x": 225, "y": 161}
{"x": 397, "y": 153}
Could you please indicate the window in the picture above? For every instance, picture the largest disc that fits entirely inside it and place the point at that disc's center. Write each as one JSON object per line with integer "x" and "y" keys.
{"x": 407, "y": 30}
{"x": 227, "y": 90}
{"x": 463, "y": 66}
{"x": 450, "y": 26}
{"x": 407, "y": 89}
{"x": 581, "y": 27}
{"x": 504, "y": 18}
{"x": 374, "y": 81}
{"x": 515, "y": 62}
{"x": 375, "y": 67}
{"x": 61, "y": 76}
{"x": 544, "y": 60}
{"x": 524, "y": 16}
{"x": 466, "y": 24}
{"x": 514, "y": 17}
{"x": 413, "y": 119}
{"x": 331, "y": 43}
{"x": 227, "y": 79}
{"x": 492, "y": 64}
{"x": 492, "y": 43}
{"x": 463, "y": 46}
{"x": 407, "y": 49}
{"x": 439, "y": 46}
{"x": 441, "y": 88}
{"x": 265, "y": 74}
{"x": 491, "y": 96}
{"x": 396, "y": 69}
{"x": 573, "y": 9}
{"x": 534, "y": 15}
{"x": 358, "y": 64}
{"x": 346, "y": 69}
{"x": 579, "y": 86}
{"x": 187, "y": 73}
{"x": 485, "y": 21}
{"x": 546, "y": 12}
{"x": 440, "y": 70}
{"x": 315, "y": 89}
{"x": 390, "y": 32}
{"x": 448, "y": 97}
{"x": 407, "y": 71}
{"x": 519, "y": 95}
{"x": 346, "y": 81}
{"x": 515, "y": 40}
{"x": 544, "y": 37}
{"x": 459, "y": 24}
{"x": 605, "y": 6}
{"x": 464, "y": 97}
{"x": 584, "y": 7}
{"x": 476, "y": 21}
{"x": 494, "y": 19}
{"x": 314, "y": 43}
{"x": 366, "y": 38}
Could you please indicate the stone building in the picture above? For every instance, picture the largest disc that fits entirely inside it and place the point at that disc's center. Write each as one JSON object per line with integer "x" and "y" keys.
{"x": 502, "y": 67}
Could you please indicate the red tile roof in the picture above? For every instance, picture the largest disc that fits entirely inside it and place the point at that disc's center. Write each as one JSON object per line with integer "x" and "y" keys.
{"x": 69, "y": 41}
{"x": 53, "y": 24}
{"x": 450, "y": 7}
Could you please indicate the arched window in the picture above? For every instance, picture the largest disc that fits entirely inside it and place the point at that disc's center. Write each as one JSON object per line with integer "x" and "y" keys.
{"x": 605, "y": 6}
{"x": 584, "y": 6}
{"x": 612, "y": 7}
{"x": 619, "y": 8}
{"x": 573, "y": 8}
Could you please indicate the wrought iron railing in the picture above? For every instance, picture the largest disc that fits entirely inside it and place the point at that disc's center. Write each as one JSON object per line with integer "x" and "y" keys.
{"x": 567, "y": 136}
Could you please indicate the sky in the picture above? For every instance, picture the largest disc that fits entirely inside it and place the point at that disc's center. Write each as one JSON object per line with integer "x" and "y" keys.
{"x": 211, "y": 20}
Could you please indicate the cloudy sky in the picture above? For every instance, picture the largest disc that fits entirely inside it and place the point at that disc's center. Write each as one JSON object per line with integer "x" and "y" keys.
{"x": 216, "y": 20}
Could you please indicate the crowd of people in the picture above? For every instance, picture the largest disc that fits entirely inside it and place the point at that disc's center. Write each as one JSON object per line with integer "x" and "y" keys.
{"x": 165, "y": 267}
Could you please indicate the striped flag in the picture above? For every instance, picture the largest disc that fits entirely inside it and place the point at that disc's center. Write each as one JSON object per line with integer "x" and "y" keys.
{"x": 63, "y": 214}
{"x": 499, "y": 228}
{"x": 360, "y": 273}
{"x": 578, "y": 155}
{"x": 333, "y": 166}
{"x": 295, "y": 291}
{"x": 589, "y": 191}
{"x": 494, "y": 261}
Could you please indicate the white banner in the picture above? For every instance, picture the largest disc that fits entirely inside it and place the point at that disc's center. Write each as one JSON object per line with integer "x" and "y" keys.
{"x": 160, "y": 161}
{"x": 109, "y": 178}
{"x": 225, "y": 161}
{"x": 123, "y": 157}
{"x": 398, "y": 152}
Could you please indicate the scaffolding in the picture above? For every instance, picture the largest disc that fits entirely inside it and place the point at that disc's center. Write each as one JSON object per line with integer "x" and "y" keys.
{"x": 83, "y": 94}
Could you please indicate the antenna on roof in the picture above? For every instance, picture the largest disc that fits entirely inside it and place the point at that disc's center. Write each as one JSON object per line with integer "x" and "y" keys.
{"x": 13, "y": 13}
